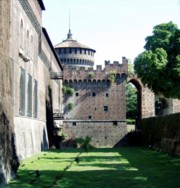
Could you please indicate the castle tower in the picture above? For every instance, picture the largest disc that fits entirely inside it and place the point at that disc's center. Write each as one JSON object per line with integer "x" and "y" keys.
{"x": 72, "y": 53}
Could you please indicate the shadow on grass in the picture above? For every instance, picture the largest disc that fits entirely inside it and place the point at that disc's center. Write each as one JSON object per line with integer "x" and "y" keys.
{"x": 159, "y": 169}
{"x": 107, "y": 168}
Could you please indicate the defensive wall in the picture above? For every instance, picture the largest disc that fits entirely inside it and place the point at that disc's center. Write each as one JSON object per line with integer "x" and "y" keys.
{"x": 99, "y": 108}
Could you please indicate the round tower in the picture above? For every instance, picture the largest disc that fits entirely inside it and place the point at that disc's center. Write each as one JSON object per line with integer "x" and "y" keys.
{"x": 72, "y": 53}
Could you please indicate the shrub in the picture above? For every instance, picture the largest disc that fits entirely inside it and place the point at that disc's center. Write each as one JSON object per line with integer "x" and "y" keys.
{"x": 68, "y": 90}
{"x": 91, "y": 75}
{"x": 130, "y": 121}
{"x": 71, "y": 105}
{"x": 112, "y": 76}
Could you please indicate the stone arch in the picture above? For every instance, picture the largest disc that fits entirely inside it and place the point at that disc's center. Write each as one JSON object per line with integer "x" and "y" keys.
{"x": 145, "y": 98}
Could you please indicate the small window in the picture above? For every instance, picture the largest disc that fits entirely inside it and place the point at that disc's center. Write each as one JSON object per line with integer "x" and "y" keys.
{"x": 105, "y": 108}
{"x": 70, "y": 50}
{"x": 75, "y": 50}
{"x": 114, "y": 122}
{"x": 107, "y": 94}
{"x": 93, "y": 94}
{"x": 89, "y": 117}
{"x": 74, "y": 123}
{"x": 77, "y": 94}
{"x": 64, "y": 50}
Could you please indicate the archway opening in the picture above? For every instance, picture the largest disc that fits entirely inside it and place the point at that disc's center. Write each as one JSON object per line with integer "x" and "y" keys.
{"x": 133, "y": 104}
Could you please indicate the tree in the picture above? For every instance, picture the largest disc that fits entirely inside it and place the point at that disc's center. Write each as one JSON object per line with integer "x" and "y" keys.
{"x": 159, "y": 65}
{"x": 131, "y": 102}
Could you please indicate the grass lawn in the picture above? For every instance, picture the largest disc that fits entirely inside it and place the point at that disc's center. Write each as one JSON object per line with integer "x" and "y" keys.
{"x": 123, "y": 167}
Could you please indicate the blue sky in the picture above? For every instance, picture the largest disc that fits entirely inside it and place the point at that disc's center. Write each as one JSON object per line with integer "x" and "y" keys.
{"x": 114, "y": 28}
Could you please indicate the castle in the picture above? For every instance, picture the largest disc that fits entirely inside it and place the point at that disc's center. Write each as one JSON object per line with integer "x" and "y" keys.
{"x": 97, "y": 107}
{"x": 38, "y": 80}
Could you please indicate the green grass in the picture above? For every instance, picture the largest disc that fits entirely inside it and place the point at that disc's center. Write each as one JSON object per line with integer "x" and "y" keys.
{"x": 123, "y": 167}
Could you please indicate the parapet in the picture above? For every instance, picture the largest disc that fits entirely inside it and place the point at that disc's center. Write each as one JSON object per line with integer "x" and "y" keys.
{"x": 82, "y": 73}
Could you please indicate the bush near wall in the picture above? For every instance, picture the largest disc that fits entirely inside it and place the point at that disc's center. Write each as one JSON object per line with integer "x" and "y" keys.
{"x": 162, "y": 133}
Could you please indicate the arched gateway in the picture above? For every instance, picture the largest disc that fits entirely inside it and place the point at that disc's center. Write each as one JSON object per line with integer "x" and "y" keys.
{"x": 145, "y": 99}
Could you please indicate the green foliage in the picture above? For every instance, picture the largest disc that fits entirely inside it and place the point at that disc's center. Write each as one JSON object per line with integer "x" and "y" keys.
{"x": 68, "y": 90}
{"x": 62, "y": 135}
{"x": 84, "y": 143}
{"x": 91, "y": 75}
{"x": 131, "y": 101}
{"x": 71, "y": 106}
{"x": 130, "y": 68}
{"x": 130, "y": 121}
{"x": 112, "y": 76}
{"x": 64, "y": 89}
{"x": 159, "y": 66}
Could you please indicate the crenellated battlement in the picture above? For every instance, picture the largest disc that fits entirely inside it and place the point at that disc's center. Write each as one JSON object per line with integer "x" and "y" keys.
{"x": 120, "y": 70}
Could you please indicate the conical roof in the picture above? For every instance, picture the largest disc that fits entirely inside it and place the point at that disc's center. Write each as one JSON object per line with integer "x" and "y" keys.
{"x": 71, "y": 43}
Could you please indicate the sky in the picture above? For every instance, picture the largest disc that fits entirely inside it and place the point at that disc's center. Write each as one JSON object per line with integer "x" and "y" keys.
{"x": 114, "y": 28}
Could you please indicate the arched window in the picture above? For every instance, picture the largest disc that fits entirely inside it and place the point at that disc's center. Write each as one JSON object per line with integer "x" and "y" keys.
{"x": 27, "y": 42}
{"x": 35, "y": 110}
{"x": 31, "y": 47}
{"x": 21, "y": 34}
{"x": 22, "y": 93}
{"x": 29, "y": 98}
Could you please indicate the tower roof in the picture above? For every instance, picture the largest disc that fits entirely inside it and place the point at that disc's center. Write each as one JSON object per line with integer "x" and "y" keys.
{"x": 71, "y": 43}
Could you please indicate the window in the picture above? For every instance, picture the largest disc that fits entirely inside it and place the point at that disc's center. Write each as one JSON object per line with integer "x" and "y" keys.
{"x": 107, "y": 95}
{"x": 114, "y": 122}
{"x": 75, "y": 50}
{"x": 29, "y": 98}
{"x": 77, "y": 94}
{"x": 64, "y": 50}
{"x": 89, "y": 117}
{"x": 70, "y": 50}
{"x": 74, "y": 123}
{"x": 27, "y": 42}
{"x": 22, "y": 93}
{"x": 105, "y": 108}
{"x": 93, "y": 94}
{"x": 39, "y": 39}
{"x": 35, "y": 99}
{"x": 21, "y": 34}
{"x": 80, "y": 51}
{"x": 31, "y": 48}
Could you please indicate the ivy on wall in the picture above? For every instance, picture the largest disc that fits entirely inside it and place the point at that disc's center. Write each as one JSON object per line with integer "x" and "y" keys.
{"x": 68, "y": 90}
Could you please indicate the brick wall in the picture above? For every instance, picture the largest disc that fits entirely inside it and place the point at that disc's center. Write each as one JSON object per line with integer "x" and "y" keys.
{"x": 96, "y": 98}
{"x": 102, "y": 133}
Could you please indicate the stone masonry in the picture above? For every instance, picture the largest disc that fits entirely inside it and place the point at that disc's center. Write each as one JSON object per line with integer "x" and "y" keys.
{"x": 99, "y": 103}
{"x": 8, "y": 158}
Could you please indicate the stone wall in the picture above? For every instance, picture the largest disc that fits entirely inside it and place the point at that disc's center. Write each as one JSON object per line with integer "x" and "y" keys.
{"x": 96, "y": 97}
{"x": 8, "y": 158}
{"x": 102, "y": 133}
{"x": 162, "y": 133}
{"x": 32, "y": 60}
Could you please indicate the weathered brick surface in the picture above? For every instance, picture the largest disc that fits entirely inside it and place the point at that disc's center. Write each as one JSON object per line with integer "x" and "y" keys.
{"x": 92, "y": 95}
{"x": 8, "y": 162}
{"x": 102, "y": 133}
